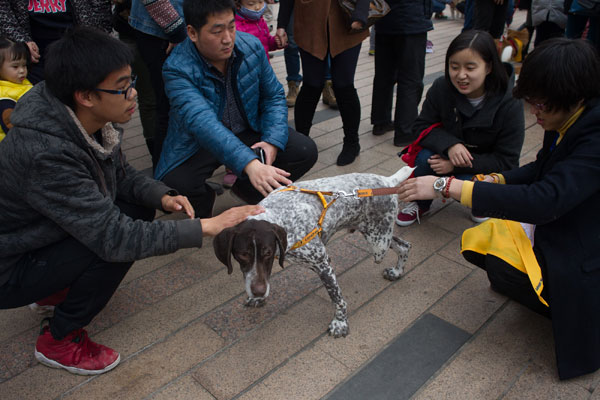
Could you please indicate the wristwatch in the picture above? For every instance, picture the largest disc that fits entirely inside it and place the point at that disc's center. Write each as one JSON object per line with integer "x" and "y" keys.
{"x": 440, "y": 184}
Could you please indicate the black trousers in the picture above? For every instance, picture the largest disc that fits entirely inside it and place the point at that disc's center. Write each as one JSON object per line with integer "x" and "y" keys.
{"x": 490, "y": 17}
{"x": 509, "y": 281}
{"x": 153, "y": 51}
{"x": 189, "y": 178}
{"x": 343, "y": 68}
{"x": 400, "y": 60}
{"x": 68, "y": 263}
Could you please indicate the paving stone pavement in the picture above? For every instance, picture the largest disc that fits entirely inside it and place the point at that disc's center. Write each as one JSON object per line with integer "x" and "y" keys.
{"x": 439, "y": 332}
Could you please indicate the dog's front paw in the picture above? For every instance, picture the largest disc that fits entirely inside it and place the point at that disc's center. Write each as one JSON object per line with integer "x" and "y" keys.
{"x": 254, "y": 302}
{"x": 338, "y": 328}
{"x": 392, "y": 274}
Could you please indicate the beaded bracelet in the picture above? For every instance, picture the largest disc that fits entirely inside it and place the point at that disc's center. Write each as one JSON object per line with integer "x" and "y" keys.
{"x": 446, "y": 192}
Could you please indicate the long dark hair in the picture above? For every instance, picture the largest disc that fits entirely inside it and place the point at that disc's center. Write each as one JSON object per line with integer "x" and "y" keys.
{"x": 483, "y": 44}
{"x": 560, "y": 73}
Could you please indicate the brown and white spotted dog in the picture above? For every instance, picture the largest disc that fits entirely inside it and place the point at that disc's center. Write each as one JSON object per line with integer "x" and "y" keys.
{"x": 291, "y": 215}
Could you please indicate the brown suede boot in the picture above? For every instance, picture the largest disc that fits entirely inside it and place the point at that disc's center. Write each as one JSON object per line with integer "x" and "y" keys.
{"x": 293, "y": 88}
{"x": 329, "y": 95}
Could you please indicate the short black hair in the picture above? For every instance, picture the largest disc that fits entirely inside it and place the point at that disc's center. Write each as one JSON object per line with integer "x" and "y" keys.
{"x": 560, "y": 73}
{"x": 483, "y": 44}
{"x": 13, "y": 51}
{"x": 81, "y": 59}
{"x": 196, "y": 12}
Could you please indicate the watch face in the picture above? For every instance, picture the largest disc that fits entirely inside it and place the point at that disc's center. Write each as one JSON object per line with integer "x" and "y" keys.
{"x": 439, "y": 184}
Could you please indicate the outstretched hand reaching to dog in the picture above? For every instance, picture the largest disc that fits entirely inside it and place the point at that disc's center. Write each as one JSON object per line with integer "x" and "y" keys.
{"x": 213, "y": 226}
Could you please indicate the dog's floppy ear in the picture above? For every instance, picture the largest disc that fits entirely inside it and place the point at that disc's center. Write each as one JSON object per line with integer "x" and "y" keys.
{"x": 281, "y": 236}
{"x": 222, "y": 243}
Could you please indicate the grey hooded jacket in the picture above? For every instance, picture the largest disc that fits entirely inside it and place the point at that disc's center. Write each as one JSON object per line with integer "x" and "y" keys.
{"x": 548, "y": 10}
{"x": 56, "y": 181}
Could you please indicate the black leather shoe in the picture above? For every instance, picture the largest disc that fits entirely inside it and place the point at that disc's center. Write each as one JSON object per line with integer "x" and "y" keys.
{"x": 380, "y": 129}
{"x": 348, "y": 154}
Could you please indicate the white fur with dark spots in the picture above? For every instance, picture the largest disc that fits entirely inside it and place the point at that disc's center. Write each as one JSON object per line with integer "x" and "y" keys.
{"x": 291, "y": 215}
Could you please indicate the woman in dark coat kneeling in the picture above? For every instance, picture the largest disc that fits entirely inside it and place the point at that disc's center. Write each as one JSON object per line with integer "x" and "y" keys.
{"x": 548, "y": 260}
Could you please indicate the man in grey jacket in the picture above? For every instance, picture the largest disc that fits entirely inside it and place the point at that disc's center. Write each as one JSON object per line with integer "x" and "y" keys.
{"x": 74, "y": 214}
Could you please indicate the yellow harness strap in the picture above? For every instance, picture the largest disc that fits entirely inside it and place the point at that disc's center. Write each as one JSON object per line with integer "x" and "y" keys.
{"x": 357, "y": 193}
{"x": 317, "y": 231}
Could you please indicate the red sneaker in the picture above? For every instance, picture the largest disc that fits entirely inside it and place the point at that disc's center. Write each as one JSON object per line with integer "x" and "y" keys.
{"x": 410, "y": 214}
{"x": 46, "y": 306}
{"x": 76, "y": 353}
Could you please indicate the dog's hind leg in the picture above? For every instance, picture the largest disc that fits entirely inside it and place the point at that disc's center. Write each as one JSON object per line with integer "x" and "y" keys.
{"x": 401, "y": 247}
{"x": 379, "y": 236}
{"x": 339, "y": 325}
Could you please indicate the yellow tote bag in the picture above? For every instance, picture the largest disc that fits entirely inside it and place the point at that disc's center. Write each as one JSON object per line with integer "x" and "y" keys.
{"x": 506, "y": 240}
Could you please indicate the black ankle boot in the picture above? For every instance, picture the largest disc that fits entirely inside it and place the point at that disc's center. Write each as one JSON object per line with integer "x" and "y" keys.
{"x": 348, "y": 154}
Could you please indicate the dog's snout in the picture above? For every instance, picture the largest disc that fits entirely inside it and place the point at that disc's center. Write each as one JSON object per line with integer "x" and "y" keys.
{"x": 258, "y": 288}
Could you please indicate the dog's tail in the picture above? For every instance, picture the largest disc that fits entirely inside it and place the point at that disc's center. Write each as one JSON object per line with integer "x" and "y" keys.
{"x": 403, "y": 174}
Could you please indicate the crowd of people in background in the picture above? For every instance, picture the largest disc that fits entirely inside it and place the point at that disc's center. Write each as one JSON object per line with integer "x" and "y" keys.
{"x": 76, "y": 215}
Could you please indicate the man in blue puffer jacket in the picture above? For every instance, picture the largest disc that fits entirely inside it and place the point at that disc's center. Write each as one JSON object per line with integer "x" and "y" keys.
{"x": 226, "y": 101}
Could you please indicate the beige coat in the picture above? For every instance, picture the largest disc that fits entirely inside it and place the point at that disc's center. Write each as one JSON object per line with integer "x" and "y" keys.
{"x": 316, "y": 21}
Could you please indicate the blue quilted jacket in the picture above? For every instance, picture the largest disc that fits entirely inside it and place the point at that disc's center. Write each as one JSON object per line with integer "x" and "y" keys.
{"x": 197, "y": 101}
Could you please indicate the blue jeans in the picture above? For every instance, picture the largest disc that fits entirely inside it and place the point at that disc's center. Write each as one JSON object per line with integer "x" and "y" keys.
{"x": 468, "y": 15}
{"x": 291, "y": 55}
{"x": 372, "y": 38}
{"x": 510, "y": 11}
{"x": 423, "y": 169}
{"x": 576, "y": 26}
{"x": 328, "y": 68}
{"x": 437, "y": 6}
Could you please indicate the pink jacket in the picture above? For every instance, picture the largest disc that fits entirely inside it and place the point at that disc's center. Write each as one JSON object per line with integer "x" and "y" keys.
{"x": 257, "y": 28}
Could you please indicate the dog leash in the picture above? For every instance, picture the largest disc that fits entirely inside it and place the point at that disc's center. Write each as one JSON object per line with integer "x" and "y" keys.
{"x": 356, "y": 193}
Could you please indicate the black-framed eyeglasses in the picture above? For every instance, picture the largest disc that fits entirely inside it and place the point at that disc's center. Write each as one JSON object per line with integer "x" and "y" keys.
{"x": 127, "y": 91}
{"x": 538, "y": 106}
